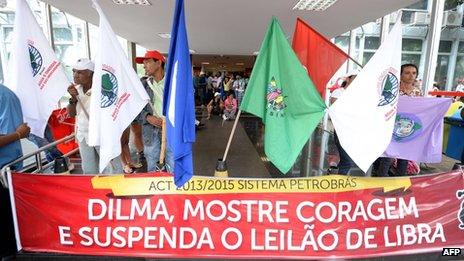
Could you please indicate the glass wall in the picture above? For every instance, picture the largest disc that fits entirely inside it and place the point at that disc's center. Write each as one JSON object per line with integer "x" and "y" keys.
{"x": 69, "y": 35}
{"x": 69, "y": 38}
{"x": 450, "y": 63}
{"x": 459, "y": 69}
{"x": 7, "y": 16}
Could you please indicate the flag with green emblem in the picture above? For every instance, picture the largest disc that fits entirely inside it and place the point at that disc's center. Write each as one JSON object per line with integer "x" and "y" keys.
{"x": 282, "y": 95}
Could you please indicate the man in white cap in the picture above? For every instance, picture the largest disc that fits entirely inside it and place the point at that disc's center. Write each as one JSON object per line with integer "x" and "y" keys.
{"x": 79, "y": 105}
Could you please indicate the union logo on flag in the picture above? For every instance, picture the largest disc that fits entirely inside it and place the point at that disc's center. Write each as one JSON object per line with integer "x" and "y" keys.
{"x": 109, "y": 89}
{"x": 389, "y": 87}
{"x": 36, "y": 59}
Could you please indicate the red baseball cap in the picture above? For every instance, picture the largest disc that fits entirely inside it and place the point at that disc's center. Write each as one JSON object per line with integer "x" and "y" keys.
{"x": 151, "y": 55}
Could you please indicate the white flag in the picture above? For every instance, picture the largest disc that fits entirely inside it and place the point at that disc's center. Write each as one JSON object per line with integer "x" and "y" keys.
{"x": 34, "y": 72}
{"x": 118, "y": 95}
{"x": 364, "y": 115}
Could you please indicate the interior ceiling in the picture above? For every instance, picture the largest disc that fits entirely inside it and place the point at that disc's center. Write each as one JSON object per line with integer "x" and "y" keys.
{"x": 228, "y": 27}
{"x": 233, "y": 63}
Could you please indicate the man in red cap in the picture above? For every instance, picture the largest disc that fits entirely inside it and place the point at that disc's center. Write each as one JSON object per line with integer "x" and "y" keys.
{"x": 152, "y": 115}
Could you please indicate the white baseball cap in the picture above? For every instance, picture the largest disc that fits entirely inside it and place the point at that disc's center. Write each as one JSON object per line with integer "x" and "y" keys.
{"x": 84, "y": 64}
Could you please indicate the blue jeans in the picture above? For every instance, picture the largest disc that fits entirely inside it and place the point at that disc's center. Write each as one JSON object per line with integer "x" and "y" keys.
{"x": 152, "y": 153}
{"x": 345, "y": 163}
{"x": 52, "y": 153}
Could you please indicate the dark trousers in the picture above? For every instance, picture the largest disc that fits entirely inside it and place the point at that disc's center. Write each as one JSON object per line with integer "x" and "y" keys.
{"x": 203, "y": 95}
{"x": 345, "y": 163}
{"x": 384, "y": 167}
{"x": 8, "y": 245}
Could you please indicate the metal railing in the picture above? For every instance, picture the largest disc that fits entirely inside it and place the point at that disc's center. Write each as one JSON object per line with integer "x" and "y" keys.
{"x": 38, "y": 159}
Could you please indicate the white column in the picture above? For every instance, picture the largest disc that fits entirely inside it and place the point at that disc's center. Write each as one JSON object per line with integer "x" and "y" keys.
{"x": 433, "y": 41}
{"x": 87, "y": 40}
{"x": 351, "y": 50}
{"x": 362, "y": 41}
{"x": 384, "y": 28}
{"x": 420, "y": 73}
{"x": 452, "y": 65}
{"x": 132, "y": 53}
{"x": 49, "y": 25}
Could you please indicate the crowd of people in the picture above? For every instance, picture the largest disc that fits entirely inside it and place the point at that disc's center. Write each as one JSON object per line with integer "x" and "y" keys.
{"x": 221, "y": 94}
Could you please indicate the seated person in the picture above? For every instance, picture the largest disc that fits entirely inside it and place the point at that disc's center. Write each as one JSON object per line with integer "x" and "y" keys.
{"x": 215, "y": 106}
{"x": 230, "y": 107}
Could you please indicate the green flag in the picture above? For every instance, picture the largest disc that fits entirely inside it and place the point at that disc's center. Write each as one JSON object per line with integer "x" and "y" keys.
{"x": 282, "y": 95}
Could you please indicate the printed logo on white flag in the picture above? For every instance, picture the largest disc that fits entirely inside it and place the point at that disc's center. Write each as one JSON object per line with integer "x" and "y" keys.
{"x": 34, "y": 72}
{"x": 364, "y": 115}
{"x": 118, "y": 95}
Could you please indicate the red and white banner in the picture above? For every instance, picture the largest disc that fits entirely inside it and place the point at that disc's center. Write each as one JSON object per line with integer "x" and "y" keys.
{"x": 330, "y": 216}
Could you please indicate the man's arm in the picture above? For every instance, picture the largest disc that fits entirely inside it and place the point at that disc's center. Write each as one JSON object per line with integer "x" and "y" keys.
{"x": 21, "y": 132}
{"x": 72, "y": 101}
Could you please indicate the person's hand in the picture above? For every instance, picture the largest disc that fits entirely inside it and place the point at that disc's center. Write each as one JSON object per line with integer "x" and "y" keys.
{"x": 155, "y": 121}
{"x": 73, "y": 91}
{"x": 23, "y": 130}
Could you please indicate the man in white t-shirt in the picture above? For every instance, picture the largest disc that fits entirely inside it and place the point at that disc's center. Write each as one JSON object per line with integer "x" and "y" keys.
{"x": 79, "y": 105}
{"x": 460, "y": 87}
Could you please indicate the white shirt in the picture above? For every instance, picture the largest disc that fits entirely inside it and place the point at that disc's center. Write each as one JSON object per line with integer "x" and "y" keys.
{"x": 82, "y": 126}
{"x": 460, "y": 88}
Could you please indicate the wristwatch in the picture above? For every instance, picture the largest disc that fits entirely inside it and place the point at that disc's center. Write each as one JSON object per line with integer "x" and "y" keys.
{"x": 72, "y": 101}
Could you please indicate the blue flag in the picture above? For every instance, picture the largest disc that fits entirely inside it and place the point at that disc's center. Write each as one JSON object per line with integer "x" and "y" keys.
{"x": 178, "y": 106}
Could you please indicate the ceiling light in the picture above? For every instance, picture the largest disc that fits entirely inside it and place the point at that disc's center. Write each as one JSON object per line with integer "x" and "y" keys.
{"x": 204, "y": 62}
{"x": 131, "y": 2}
{"x": 255, "y": 53}
{"x": 239, "y": 63}
{"x": 165, "y": 35}
{"x": 192, "y": 51}
{"x": 314, "y": 5}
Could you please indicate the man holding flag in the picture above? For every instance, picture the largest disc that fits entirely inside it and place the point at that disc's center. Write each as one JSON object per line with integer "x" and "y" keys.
{"x": 152, "y": 115}
{"x": 117, "y": 94}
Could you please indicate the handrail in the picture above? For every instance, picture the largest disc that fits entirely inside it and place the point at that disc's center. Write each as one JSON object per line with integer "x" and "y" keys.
{"x": 38, "y": 160}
